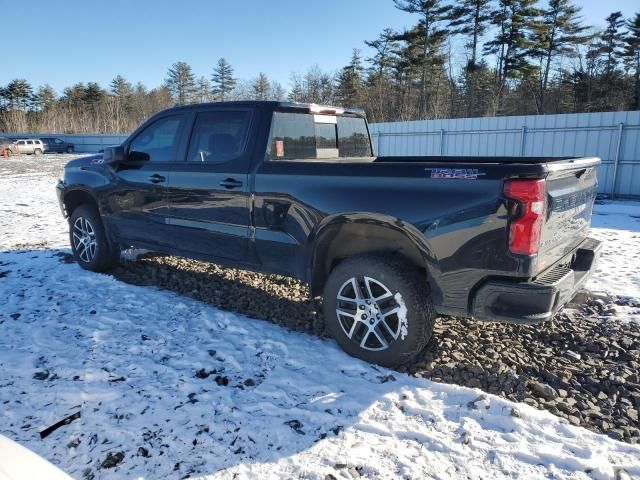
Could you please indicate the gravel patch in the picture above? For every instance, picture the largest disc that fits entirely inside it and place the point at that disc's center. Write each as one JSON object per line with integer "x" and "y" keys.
{"x": 582, "y": 366}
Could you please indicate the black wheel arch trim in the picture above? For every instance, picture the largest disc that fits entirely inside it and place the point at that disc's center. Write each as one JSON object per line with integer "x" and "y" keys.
{"x": 382, "y": 234}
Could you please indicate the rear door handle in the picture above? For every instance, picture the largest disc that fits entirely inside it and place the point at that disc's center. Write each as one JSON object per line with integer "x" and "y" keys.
{"x": 155, "y": 178}
{"x": 230, "y": 183}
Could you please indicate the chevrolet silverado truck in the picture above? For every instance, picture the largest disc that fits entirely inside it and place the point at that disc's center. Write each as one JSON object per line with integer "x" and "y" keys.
{"x": 390, "y": 243}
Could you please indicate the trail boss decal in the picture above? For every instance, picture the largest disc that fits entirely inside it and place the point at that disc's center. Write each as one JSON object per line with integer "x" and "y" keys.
{"x": 459, "y": 173}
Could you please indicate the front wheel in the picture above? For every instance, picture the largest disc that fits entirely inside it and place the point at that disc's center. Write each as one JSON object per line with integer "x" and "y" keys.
{"x": 89, "y": 243}
{"x": 69, "y": 149}
{"x": 378, "y": 309}
{"x": 37, "y": 151}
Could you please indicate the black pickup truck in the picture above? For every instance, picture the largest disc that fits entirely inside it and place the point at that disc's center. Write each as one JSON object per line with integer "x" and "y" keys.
{"x": 389, "y": 242}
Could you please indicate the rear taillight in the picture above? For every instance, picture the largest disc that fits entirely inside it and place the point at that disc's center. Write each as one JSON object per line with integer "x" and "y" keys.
{"x": 526, "y": 228}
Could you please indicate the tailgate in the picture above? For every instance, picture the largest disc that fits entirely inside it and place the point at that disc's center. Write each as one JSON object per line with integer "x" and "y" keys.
{"x": 571, "y": 190}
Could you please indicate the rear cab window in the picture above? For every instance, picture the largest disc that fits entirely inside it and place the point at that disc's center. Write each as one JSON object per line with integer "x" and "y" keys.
{"x": 308, "y": 136}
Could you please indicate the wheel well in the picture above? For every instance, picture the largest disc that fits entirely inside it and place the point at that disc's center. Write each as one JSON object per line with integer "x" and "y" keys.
{"x": 338, "y": 242}
{"x": 75, "y": 198}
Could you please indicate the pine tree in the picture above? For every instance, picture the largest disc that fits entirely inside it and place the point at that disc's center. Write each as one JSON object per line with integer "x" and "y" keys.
{"x": 380, "y": 74}
{"x": 120, "y": 87}
{"x": 260, "y": 87}
{"x": 93, "y": 94}
{"x": 74, "y": 95}
{"x": 44, "y": 98}
{"x": 609, "y": 84}
{"x": 612, "y": 42}
{"x": 350, "y": 81}
{"x": 584, "y": 78}
{"x": 296, "y": 93}
{"x": 203, "y": 90}
{"x": 223, "y": 81}
{"x": 632, "y": 56}
{"x": 514, "y": 21}
{"x": 19, "y": 94}
{"x": 471, "y": 18}
{"x": 384, "y": 47}
{"x": 181, "y": 83}
{"x": 277, "y": 92}
{"x": 429, "y": 36}
{"x": 558, "y": 34}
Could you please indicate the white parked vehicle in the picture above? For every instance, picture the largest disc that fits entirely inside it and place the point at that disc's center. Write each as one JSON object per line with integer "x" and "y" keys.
{"x": 30, "y": 146}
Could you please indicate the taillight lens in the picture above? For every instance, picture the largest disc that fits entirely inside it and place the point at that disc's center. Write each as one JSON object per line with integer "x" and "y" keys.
{"x": 525, "y": 230}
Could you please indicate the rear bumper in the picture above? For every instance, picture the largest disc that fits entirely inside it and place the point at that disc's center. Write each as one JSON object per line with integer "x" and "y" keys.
{"x": 537, "y": 301}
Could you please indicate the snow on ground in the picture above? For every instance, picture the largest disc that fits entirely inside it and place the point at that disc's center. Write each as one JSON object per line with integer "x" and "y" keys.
{"x": 29, "y": 211}
{"x": 617, "y": 224}
{"x": 181, "y": 388}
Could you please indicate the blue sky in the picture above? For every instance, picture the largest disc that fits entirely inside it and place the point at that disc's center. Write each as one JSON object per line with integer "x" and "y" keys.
{"x": 64, "y": 42}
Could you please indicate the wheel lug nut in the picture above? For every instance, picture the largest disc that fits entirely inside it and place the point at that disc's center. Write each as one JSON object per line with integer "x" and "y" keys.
{"x": 364, "y": 316}
{"x": 371, "y": 321}
{"x": 378, "y": 316}
{"x": 368, "y": 302}
{"x": 361, "y": 307}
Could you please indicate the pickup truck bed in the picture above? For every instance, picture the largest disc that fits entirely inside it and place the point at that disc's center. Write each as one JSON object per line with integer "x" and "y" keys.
{"x": 295, "y": 190}
{"x": 457, "y": 210}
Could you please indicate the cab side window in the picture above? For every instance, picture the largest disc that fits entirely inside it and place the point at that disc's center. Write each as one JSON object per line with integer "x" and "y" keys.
{"x": 219, "y": 136}
{"x": 159, "y": 141}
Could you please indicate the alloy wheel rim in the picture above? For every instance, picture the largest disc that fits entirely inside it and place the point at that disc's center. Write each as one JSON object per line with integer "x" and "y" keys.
{"x": 369, "y": 314}
{"x": 84, "y": 239}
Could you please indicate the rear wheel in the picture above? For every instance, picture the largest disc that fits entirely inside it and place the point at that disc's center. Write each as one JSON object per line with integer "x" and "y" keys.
{"x": 7, "y": 152}
{"x": 69, "y": 149}
{"x": 89, "y": 241}
{"x": 378, "y": 308}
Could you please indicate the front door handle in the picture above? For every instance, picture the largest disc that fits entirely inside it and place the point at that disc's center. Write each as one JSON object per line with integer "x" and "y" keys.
{"x": 230, "y": 183}
{"x": 155, "y": 178}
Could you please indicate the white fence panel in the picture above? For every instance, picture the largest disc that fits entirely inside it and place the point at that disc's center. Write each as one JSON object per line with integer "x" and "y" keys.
{"x": 612, "y": 136}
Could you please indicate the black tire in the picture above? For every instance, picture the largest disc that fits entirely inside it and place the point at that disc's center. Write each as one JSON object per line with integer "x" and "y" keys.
{"x": 69, "y": 149}
{"x": 397, "y": 277}
{"x": 37, "y": 151}
{"x": 100, "y": 257}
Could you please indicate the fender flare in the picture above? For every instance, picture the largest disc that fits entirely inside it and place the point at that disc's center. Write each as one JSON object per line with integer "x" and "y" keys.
{"x": 385, "y": 234}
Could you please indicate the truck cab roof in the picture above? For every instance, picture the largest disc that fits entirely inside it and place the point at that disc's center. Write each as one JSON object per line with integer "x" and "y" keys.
{"x": 275, "y": 105}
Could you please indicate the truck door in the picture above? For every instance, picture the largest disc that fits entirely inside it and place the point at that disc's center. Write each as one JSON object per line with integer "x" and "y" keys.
{"x": 137, "y": 206}
{"x": 209, "y": 192}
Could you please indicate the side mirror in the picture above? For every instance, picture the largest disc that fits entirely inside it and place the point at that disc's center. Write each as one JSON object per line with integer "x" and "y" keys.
{"x": 113, "y": 155}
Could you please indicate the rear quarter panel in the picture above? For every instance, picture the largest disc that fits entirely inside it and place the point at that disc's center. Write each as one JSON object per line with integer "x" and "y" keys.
{"x": 459, "y": 224}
